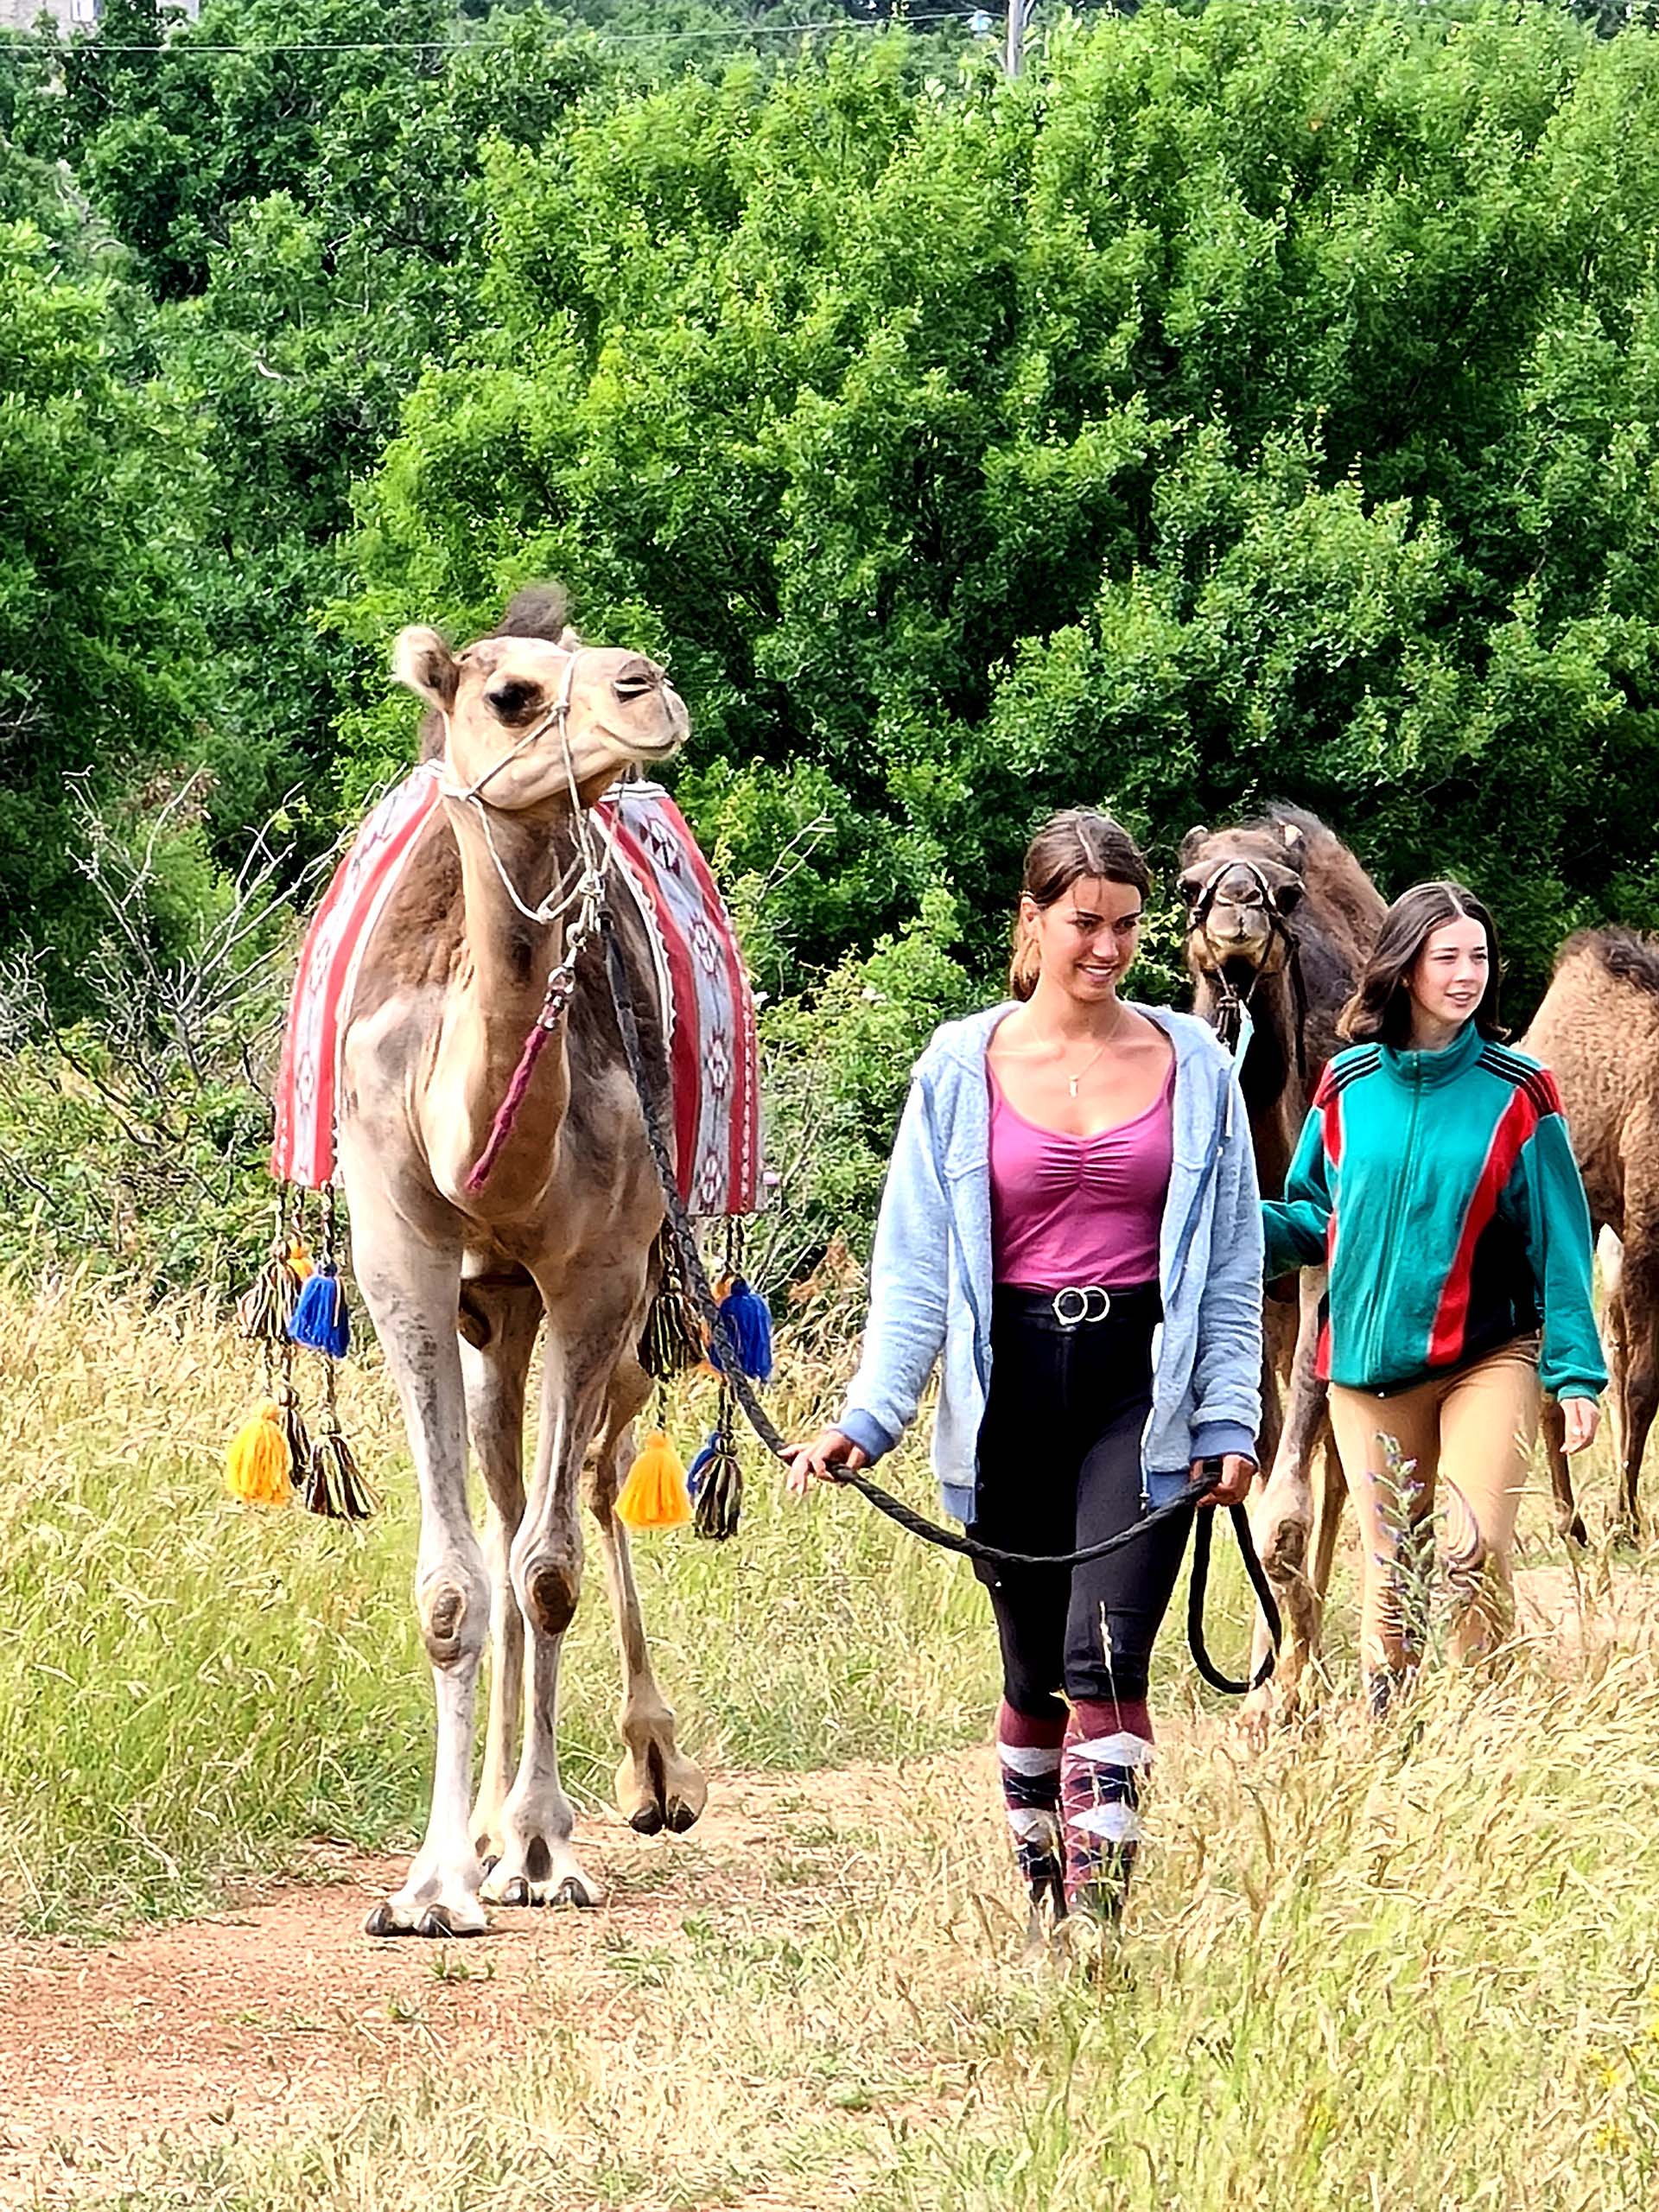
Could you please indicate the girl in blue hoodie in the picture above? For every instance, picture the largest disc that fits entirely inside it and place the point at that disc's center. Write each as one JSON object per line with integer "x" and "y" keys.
{"x": 1070, "y": 1229}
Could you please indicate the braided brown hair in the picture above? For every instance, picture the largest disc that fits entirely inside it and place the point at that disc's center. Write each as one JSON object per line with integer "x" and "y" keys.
{"x": 1070, "y": 846}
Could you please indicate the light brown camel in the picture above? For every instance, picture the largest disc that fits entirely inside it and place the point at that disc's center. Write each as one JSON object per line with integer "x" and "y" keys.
{"x": 1281, "y": 918}
{"x": 1597, "y": 1032}
{"x": 458, "y": 1281}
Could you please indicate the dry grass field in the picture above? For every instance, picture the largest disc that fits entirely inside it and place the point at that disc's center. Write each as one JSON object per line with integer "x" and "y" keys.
{"x": 1411, "y": 1966}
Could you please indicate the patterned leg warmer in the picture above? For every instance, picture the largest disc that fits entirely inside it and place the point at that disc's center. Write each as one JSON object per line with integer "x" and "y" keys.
{"x": 1108, "y": 1752}
{"x": 1028, "y": 1755}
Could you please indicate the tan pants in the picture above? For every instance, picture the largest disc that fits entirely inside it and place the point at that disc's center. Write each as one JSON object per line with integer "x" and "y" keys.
{"x": 1475, "y": 1428}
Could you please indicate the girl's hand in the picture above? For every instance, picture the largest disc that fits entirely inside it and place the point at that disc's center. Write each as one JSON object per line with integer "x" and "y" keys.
{"x": 1237, "y": 1475}
{"x": 1583, "y": 1418}
{"x": 813, "y": 1462}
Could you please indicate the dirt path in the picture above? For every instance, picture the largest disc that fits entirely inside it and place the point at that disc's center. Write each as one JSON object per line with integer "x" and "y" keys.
{"x": 271, "y": 2011}
{"x": 263, "y": 2015}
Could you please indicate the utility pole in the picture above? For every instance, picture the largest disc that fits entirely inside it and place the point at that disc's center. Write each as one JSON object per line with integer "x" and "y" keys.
{"x": 1019, "y": 17}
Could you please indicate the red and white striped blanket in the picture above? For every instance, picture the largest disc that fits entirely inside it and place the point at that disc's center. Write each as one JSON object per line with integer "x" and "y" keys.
{"x": 713, "y": 1053}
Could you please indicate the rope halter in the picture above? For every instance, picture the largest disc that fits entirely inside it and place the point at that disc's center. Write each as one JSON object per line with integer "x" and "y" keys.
{"x": 1232, "y": 1005}
{"x": 582, "y": 884}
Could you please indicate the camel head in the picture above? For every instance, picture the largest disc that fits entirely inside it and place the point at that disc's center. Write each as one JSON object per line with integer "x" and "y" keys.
{"x": 1239, "y": 885}
{"x": 502, "y": 701}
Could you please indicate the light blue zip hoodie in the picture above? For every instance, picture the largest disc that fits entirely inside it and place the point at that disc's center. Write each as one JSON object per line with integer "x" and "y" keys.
{"x": 931, "y": 1273}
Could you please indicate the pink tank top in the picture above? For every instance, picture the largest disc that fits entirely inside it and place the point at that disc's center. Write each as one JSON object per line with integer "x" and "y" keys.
{"x": 1074, "y": 1210}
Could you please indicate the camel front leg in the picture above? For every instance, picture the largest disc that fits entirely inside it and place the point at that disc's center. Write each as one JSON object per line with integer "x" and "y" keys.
{"x": 537, "y": 1864}
{"x": 1638, "y": 1363}
{"x": 497, "y": 1329}
{"x": 656, "y": 1786}
{"x": 1282, "y": 1521}
{"x": 410, "y": 1285}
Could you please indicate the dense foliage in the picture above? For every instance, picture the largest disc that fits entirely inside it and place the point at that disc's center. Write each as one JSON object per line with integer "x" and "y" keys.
{"x": 1241, "y": 405}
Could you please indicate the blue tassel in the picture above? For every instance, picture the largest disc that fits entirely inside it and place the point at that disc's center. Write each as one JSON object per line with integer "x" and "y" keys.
{"x": 748, "y": 1322}
{"x": 321, "y": 1320}
{"x": 699, "y": 1466}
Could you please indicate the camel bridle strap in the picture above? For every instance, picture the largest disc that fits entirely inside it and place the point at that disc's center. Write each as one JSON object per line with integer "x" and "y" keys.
{"x": 581, "y": 889}
{"x": 682, "y": 1235}
{"x": 1231, "y": 1003}
{"x": 583, "y": 883}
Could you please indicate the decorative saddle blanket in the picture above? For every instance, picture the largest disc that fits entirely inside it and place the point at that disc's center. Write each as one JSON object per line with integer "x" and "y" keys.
{"x": 713, "y": 1055}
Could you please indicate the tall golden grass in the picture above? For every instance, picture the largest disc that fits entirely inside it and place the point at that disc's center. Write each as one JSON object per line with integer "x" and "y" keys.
{"x": 1394, "y": 1967}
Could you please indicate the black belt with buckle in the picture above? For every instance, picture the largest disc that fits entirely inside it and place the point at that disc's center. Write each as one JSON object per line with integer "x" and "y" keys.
{"x": 1079, "y": 1306}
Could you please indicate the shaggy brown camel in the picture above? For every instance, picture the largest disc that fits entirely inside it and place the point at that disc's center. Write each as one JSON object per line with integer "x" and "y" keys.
{"x": 532, "y": 727}
{"x": 1280, "y": 919}
{"x": 1597, "y": 1032}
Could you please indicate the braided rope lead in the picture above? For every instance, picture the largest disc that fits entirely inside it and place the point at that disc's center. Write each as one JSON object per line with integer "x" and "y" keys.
{"x": 684, "y": 1238}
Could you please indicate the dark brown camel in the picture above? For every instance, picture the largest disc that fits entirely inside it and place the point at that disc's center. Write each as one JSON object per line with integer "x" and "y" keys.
{"x": 1280, "y": 919}
{"x": 1597, "y": 1032}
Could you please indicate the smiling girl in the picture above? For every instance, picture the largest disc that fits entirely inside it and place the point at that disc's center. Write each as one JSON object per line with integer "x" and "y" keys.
{"x": 1071, "y": 1220}
{"x": 1435, "y": 1177}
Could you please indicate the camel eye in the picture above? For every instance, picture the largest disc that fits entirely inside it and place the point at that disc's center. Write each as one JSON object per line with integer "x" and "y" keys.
{"x": 511, "y": 698}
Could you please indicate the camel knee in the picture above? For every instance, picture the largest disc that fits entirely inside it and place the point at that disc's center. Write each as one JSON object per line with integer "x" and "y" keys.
{"x": 1283, "y": 1525}
{"x": 454, "y": 1614}
{"x": 549, "y": 1584}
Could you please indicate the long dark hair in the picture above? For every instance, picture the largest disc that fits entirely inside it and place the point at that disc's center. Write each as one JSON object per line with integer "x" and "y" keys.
{"x": 1078, "y": 843}
{"x": 1380, "y": 1010}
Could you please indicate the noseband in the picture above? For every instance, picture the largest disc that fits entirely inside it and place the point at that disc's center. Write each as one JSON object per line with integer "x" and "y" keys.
{"x": 581, "y": 887}
{"x": 1231, "y": 1004}
{"x": 583, "y": 883}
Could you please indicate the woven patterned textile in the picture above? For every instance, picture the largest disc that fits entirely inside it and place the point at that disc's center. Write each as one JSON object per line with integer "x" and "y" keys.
{"x": 713, "y": 1052}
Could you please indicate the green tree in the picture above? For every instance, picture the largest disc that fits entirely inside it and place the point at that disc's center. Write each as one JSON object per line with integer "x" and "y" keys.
{"x": 99, "y": 506}
{"x": 1241, "y": 405}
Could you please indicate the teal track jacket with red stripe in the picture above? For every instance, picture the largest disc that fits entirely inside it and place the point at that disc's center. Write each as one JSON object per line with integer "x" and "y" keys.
{"x": 1442, "y": 1189}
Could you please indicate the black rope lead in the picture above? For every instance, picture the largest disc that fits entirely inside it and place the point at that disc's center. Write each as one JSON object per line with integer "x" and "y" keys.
{"x": 1202, "y": 1525}
{"x": 682, "y": 1236}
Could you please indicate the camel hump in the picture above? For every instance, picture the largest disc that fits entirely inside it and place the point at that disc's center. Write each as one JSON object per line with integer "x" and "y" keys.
{"x": 539, "y": 611}
{"x": 1333, "y": 875}
{"x": 1625, "y": 954}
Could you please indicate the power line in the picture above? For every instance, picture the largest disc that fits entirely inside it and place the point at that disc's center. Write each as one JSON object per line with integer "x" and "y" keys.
{"x": 89, "y": 48}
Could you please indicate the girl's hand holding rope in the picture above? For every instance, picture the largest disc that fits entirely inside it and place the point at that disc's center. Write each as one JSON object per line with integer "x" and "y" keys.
{"x": 818, "y": 1461}
{"x": 1237, "y": 1475}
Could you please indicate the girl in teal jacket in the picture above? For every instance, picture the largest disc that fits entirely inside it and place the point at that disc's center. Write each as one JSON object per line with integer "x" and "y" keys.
{"x": 1436, "y": 1180}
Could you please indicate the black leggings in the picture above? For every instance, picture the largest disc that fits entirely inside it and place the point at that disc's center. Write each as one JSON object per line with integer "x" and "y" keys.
{"x": 1059, "y": 1467}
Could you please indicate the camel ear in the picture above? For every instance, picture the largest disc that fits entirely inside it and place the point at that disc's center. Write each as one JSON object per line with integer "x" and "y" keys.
{"x": 1292, "y": 839}
{"x": 422, "y": 660}
{"x": 1192, "y": 843}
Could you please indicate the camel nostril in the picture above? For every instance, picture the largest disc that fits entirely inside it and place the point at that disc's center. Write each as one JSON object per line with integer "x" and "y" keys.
{"x": 628, "y": 689}
{"x": 637, "y": 681}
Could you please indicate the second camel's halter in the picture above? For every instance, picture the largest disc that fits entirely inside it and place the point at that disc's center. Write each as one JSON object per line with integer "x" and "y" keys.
{"x": 1232, "y": 1005}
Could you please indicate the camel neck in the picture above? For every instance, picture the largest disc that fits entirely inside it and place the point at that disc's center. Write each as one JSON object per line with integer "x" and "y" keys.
{"x": 509, "y": 955}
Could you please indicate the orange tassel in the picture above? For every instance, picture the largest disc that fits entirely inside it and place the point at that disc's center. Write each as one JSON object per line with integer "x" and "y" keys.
{"x": 655, "y": 1495}
{"x": 256, "y": 1463}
